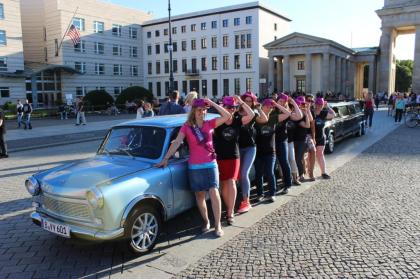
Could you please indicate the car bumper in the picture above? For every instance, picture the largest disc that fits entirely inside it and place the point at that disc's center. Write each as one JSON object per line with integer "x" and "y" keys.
{"x": 81, "y": 232}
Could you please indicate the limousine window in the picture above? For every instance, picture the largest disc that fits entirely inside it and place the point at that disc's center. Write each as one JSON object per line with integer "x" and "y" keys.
{"x": 358, "y": 108}
{"x": 343, "y": 111}
{"x": 351, "y": 108}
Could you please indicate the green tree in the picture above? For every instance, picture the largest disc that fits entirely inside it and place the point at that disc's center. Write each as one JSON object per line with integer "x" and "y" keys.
{"x": 134, "y": 93}
{"x": 404, "y": 75}
{"x": 97, "y": 99}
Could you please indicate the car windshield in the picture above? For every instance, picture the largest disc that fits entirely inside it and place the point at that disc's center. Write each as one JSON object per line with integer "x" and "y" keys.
{"x": 140, "y": 141}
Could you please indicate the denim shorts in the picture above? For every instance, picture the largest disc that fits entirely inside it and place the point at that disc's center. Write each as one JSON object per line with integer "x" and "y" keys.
{"x": 203, "y": 179}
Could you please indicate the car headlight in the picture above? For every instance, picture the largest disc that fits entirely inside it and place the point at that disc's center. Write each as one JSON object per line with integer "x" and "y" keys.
{"x": 32, "y": 186}
{"x": 95, "y": 198}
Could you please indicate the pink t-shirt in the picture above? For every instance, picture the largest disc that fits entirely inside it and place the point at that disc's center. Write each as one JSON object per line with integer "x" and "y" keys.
{"x": 199, "y": 154}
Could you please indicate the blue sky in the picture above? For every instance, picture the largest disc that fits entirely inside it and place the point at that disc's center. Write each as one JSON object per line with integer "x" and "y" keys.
{"x": 351, "y": 23}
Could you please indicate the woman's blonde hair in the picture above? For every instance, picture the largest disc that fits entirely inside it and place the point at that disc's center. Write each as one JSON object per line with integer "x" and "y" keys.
{"x": 191, "y": 121}
{"x": 190, "y": 97}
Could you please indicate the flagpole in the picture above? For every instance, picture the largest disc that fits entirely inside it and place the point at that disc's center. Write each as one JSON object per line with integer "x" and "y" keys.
{"x": 65, "y": 33}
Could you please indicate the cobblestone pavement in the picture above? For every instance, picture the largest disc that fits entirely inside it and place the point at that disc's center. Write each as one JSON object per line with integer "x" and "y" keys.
{"x": 363, "y": 223}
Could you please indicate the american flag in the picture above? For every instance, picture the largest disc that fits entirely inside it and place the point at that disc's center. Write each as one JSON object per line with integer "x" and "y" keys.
{"x": 74, "y": 34}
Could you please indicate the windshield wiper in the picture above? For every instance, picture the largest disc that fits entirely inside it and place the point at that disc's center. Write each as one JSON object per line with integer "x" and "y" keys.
{"x": 126, "y": 152}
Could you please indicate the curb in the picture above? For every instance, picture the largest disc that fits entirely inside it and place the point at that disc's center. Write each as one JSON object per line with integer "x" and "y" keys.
{"x": 14, "y": 150}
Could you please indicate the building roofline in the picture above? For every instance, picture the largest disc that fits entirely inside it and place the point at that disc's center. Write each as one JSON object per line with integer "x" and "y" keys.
{"x": 222, "y": 10}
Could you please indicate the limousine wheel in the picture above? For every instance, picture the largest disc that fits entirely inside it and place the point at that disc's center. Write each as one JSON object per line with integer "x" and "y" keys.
{"x": 143, "y": 229}
{"x": 329, "y": 148}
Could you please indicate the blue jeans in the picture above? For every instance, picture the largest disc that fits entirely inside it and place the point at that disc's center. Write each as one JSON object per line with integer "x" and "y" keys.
{"x": 282, "y": 156}
{"x": 300, "y": 147}
{"x": 264, "y": 165}
{"x": 247, "y": 159}
{"x": 27, "y": 121}
{"x": 19, "y": 119}
{"x": 369, "y": 116}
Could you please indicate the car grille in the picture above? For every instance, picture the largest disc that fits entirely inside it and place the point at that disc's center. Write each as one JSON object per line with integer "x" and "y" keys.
{"x": 66, "y": 209}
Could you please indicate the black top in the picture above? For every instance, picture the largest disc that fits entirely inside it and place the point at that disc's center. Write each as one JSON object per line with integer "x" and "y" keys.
{"x": 300, "y": 132}
{"x": 27, "y": 108}
{"x": 226, "y": 139}
{"x": 3, "y": 125}
{"x": 320, "y": 120}
{"x": 266, "y": 136}
{"x": 309, "y": 131}
{"x": 281, "y": 129}
{"x": 247, "y": 133}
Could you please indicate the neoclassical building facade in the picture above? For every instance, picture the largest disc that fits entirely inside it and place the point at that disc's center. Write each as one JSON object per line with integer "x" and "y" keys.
{"x": 304, "y": 63}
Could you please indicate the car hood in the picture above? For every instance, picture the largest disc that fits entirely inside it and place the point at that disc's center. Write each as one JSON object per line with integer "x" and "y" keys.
{"x": 76, "y": 178}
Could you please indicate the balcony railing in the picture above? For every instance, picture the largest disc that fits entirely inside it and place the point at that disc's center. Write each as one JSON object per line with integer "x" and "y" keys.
{"x": 193, "y": 72}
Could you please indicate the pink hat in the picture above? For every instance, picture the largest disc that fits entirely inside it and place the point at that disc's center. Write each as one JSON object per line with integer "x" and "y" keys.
{"x": 229, "y": 101}
{"x": 268, "y": 103}
{"x": 200, "y": 103}
{"x": 319, "y": 101}
{"x": 283, "y": 97}
{"x": 249, "y": 94}
{"x": 300, "y": 100}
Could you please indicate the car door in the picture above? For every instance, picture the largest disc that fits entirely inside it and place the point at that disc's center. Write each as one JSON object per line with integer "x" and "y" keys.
{"x": 178, "y": 166}
{"x": 345, "y": 117}
{"x": 353, "y": 123}
{"x": 338, "y": 124}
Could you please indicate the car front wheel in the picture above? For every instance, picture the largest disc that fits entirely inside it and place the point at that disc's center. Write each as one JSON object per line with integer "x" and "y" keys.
{"x": 329, "y": 148}
{"x": 143, "y": 229}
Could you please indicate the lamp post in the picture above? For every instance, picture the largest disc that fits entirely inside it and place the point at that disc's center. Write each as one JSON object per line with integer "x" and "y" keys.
{"x": 170, "y": 48}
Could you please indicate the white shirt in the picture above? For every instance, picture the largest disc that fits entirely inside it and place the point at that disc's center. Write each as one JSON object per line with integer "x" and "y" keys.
{"x": 140, "y": 113}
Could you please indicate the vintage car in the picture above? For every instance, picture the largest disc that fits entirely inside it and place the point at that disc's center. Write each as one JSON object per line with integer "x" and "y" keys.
{"x": 117, "y": 194}
{"x": 349, "y": 121}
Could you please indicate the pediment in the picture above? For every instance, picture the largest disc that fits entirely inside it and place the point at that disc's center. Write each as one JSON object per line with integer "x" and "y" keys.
{"x": 296, "y": 39}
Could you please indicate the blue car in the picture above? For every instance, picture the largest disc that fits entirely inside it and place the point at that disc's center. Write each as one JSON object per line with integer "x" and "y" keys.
{"x": 117, "y": 194}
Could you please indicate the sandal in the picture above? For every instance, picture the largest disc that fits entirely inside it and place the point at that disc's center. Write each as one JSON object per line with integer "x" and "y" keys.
{"x": 205, "y": 228}
{"x": 230, "y": 220}
{"x": 219, "y": 232}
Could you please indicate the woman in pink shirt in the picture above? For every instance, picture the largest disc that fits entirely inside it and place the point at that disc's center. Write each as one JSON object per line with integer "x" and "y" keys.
{"x": 202, "y": 167}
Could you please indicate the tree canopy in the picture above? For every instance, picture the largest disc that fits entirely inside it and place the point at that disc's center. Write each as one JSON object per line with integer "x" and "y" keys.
{"x": 404, "y": 75}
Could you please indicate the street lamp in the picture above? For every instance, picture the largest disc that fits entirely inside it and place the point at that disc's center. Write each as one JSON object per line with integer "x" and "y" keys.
{"x": 170, "y": 48}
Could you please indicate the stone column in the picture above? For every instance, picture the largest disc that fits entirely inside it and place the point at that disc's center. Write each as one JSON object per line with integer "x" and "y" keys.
{"x": 333, "y": 71}
{"x": 286, "y": 73}
{"x": 343, "y": 75}
{"x": 386, "y": 60}
{"x": 279, "y": 75}
{"x": 351, "y": 79}
{"x": 338, "y": 69}
{"x": 270, "y": 80}
{"x": 371, "y": 75}
{"x": 325, "y": 71}
{"x": 416, "y": 69}
{"x": 308, "y": 73}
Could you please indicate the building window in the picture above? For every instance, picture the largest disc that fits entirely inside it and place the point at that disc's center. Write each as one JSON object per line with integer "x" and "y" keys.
{"x": 204, "y": 63}
{"x": 116, "y": 30}
{"x": 214, "y": 42}
{"x": 165, "y": 47}
{"x": 248, "y": 41}
{"x": 275, "y": 26}
{"x": 157, "y": 49}
{"x": 184, "y": 45}
{"x": 183, "y": 29}
{"x": 184, "y": 65}
{"x": 204, "y": 87}
{"x": 166, "y": 88}
{"x": 203, "y": 43}
{"x": 117, "y": 50}
{"x": 45, "y": 54}
{"x": 237, "y": 62}
{"x": 193, "y": 27}
{"x": 184, "y": 86}
{"x": 175, "y": 66}
{"x": 158, "y": 89}
{"x": 133, "y": 51}
{"x": 98, "y": 27}
{"x": 300, "y": 85}
{"x": 81, "y": 91}
{"x": 193, "y": 45}
{"x": 79, "y": 23}
{"x": 237, "y": 42}
{"x": 157, "y": 33}
{"x": 194, "y": 65}
{"x": 175, "y": 85}
{"x": 80, "y": 47}
{"x": 4, "y": 92}
{"x": 301, "y": 65}
{"x": 166, "y": 66}
{"x": 165, "y": 32}
{"x": 45, "y": 34}
{"x": 3, "y": 64}
{"x": 99, "y": 48}
{"x": 248, "y": 84}
{"x": 214, "y": 63}
{"x": 174, "y": 47}
{"x": 213, "y": 24}
{"x": 117, "y": 70}
{"x": 237, "y": 83}
{"x": 243, "y": 41}
{"x": 149, "y": 50}
{"x": 157, "y": 67}
{"x": 149, "y": 68}
{"x": 117, "y": 90}
{"x": 1, "y": 11}
{"x": 214, "y": 87}
{"x": 134, "y": 71}
{"x": 149, "y": 34}
{"x": 132, "y": 33}
{"x": 225, "y": 62}
{"x": 225, "y": 23}
{"x": 225, "y": 40}
{"x": 80, "y": 66}
{"x": 248, "y": 58}
{"x": 248, "y": 20}
{"x": 236, "y": 21}
{"x": 101, "y": 88}
{"x": 173, "y": 30}
{"x": 150, "y": 87}
{"x": 99, "y": 69}
{"x": 3, "y": 40}
{"x": 225, "y": 87}
{"x": 203, "y": 26}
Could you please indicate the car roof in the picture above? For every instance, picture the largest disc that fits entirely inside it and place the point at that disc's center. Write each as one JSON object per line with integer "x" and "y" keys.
{"x": 164, "y": 121}
{"x": 338, "y": 104}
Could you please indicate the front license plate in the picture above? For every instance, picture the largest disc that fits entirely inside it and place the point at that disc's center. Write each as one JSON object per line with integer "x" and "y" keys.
{"x": 62, "y": 230}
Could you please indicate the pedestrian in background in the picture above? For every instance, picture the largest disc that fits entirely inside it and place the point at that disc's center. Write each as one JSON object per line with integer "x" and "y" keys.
{"x": 390, "y": 104}
{"x": 19, "y": 111}
{"x": 172, "y": 106}
{"x": 368, "y": 108}
{"x": 140, "y": 110}
{"x": 80, "y": 113}
{"x": 3, "y": 145}
{"x": 377, "y": 101}
{"x": 148, "y": 111}
{"x": 399, "y": 108}
{"x": 189, "y": 99}
{"x": 27, "y": 110}
{"x": 63, "y": 111}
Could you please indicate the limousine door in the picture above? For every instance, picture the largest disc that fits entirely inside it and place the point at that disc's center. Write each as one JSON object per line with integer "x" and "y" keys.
{"x": 346, "y": 121}
{"x": 338, "y": 124}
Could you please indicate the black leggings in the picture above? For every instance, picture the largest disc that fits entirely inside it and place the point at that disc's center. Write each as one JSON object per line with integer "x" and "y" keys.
{"x": 300, "y": 148}
{"x": 398, "y": 115}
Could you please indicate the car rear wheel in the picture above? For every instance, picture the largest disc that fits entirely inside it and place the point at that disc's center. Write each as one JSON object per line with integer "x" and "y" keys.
{"x": 143, "y": 229}
{"x": 329, "y": 148}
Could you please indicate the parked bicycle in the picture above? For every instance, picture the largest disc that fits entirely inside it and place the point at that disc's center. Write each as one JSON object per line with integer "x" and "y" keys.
{"x": 412, "y": 118}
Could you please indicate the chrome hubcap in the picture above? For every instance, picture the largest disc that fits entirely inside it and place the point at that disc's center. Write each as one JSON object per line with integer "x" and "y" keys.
{"x": 144, "y": 231}
{"x": 331, "y": 142}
